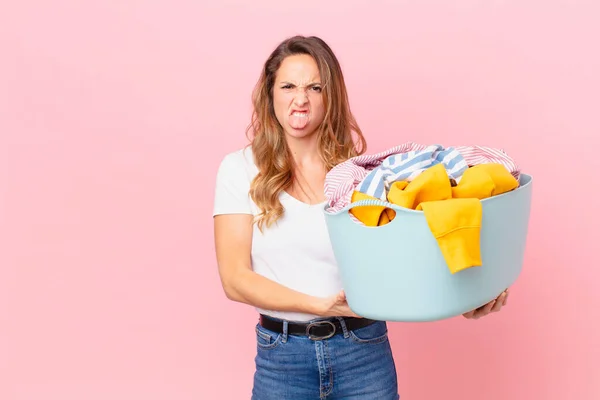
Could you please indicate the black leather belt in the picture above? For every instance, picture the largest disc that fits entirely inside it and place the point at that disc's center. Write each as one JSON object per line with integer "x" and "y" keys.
{"x": 315, "y": 330}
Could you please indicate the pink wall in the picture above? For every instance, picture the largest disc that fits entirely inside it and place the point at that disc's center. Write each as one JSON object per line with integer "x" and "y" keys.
{"x": 113, "y": 119}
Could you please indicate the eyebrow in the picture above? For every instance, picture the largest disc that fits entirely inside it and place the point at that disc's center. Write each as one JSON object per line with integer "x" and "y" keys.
{"x": 293, "y": 84}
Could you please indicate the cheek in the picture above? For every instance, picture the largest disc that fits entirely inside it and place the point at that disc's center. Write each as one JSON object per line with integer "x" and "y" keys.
{"x": 277, "y": 107}
{"x": 281, "y": 104}
{"x": 319, "y": 108}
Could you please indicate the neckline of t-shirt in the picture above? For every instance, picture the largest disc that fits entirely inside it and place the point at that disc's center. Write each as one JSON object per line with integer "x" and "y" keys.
{"x": 301, "y": 203}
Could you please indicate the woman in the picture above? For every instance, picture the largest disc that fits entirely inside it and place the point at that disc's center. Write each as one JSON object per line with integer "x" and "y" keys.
{"x": 272, "y": 244}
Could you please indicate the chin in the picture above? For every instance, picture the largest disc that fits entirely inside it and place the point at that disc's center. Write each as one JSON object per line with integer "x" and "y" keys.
{"x": 300, "y": 133}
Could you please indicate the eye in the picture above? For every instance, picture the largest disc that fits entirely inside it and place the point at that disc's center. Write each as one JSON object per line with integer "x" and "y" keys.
{"x": 287, "y": 86}
{"x": 317, "y": 89}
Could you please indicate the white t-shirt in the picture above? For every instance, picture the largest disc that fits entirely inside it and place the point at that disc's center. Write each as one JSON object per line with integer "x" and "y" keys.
{"x": 296, "y": 251}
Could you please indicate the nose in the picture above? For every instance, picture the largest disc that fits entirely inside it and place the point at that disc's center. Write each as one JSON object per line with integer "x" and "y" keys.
{"x": 301, "y": 98}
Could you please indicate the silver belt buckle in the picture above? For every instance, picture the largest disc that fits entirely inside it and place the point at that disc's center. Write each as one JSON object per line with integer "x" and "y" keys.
{"x": 320, "y": 323}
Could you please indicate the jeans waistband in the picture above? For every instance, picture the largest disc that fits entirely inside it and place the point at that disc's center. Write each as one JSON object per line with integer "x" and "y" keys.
{"x": 318, "y": 329}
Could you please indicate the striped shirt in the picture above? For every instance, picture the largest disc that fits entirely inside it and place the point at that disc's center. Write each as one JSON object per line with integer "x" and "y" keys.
{"x": 475, "y": 155}
{"x": 373, "y": 174}
{"x": 407, "y": 165}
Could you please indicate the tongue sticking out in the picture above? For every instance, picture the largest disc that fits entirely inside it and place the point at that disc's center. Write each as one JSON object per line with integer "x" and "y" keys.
{"x": 298, "y": 120}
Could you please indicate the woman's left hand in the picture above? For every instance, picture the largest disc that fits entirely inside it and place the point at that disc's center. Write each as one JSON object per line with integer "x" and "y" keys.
{"x": 493, "y": 306}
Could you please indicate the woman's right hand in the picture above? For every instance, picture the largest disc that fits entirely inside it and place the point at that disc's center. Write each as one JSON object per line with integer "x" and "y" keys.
{"x": 337, "y": 306}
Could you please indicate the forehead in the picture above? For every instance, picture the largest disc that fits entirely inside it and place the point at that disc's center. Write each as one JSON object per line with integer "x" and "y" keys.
{"x": 299, "y": 69}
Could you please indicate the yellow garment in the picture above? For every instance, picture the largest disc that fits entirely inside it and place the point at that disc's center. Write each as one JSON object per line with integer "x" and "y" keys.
{"x": 371, "y": 215}
{"x": 485, "y": 180}
{"x": 456, "y": 226}
{"x": 431, "y": 184}
{"x": 453, "y": 214}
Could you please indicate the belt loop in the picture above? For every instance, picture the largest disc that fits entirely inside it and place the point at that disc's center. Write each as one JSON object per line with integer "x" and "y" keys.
{"x": 284, "y": 334}
{"x": 344, "y": 328}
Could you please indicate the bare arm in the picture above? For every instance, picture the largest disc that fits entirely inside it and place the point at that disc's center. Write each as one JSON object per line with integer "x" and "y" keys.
{"x": 233, "y": 242}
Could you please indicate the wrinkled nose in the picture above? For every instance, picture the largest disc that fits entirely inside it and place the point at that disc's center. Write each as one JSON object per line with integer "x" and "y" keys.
{"x": 300, "y": 99}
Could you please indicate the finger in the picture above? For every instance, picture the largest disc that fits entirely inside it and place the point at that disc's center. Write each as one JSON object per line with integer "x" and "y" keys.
{"x": 348, "y": 312}
{"x": 485, "y": 310}
{"x": 499, "y": 303}
{"x": 469, "y": 315}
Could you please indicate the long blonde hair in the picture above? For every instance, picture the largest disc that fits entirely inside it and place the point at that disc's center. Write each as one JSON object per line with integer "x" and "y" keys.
{"x": 335, "y": 135}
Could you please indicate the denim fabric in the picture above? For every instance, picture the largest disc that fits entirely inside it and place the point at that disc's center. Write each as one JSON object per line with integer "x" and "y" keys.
{"x": 351, "y": 365}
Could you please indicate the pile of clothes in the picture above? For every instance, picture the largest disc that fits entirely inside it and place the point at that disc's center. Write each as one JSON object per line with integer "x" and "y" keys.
{"x": 446, "y": 184}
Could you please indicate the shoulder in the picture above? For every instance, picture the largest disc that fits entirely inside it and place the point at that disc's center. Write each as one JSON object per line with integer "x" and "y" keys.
{"x": 238, "y": 166}
{"x": 234, "y": 177}
{"x": 241, "y": 158}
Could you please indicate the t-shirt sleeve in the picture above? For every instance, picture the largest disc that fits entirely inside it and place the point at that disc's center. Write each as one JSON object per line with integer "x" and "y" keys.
{"x": 232, "y": 187}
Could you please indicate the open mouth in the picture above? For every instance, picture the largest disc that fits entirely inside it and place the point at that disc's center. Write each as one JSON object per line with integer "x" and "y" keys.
{"x": 299, "y": 119}
{"x": 297, "y": 113}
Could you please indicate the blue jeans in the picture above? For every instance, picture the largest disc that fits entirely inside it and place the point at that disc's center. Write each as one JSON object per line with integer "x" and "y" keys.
{"x": 351, "y": 365}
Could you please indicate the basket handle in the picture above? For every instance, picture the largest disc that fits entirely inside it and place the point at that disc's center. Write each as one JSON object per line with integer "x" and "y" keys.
{"x": 371, "y": 202}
